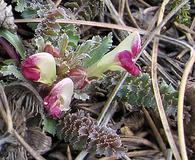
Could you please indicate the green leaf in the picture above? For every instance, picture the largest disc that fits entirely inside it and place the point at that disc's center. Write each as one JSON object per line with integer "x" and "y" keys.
{"x": 49, "y": 125}
{"x": 70, "y": 31}
{"x": 14, "y": 40}
{"x": 98, "y": 52}
{"x": 87, "y": 46}
{"x": 9, "y": 62}
{"x": 137, "y": 91}
{"x": 11, "y": 70}
{"x": 63, "y": 43}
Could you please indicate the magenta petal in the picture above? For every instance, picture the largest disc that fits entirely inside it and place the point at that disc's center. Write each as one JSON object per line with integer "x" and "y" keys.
{"x": 51, "y": 106}
{"x": 135, "y": 70}
{"x": 54, "y": 112}
{"x": 136, "y": 45}
{"x": 50, "y": 101}
{"x": 31, "y": 73}
{"x": 125, "y": 58}
{"x": 29, "y": 70}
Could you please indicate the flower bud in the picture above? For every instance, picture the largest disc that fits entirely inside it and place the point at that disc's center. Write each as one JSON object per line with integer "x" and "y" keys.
{"x": 53, "y": 51}
{"x": 79, "y": 77}
{"x": 39, "y": 67}
{"x": 59, "y": 98}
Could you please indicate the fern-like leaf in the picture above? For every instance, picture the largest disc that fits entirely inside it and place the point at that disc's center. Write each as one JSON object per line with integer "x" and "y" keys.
{"x": 138, "y": 91}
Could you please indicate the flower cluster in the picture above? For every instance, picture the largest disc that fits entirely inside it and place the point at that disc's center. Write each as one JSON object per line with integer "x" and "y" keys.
{"x": 41, "y": 67}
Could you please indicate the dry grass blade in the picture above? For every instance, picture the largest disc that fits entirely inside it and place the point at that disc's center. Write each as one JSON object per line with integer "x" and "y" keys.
{"x": 87, "y": 23}
{"x": 142, "y": 153}
{"x": 180, "y": 105}
{"x": 130, "y": 15}
{"x": 7, "y": 116}
{"x": 156, "y": 88}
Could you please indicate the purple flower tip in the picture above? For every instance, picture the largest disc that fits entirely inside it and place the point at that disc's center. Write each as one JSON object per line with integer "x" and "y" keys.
{"x": 126, "y": 60}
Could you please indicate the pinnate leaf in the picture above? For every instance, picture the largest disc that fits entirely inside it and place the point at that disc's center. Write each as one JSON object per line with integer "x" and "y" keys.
{"x": 98, "y": 50}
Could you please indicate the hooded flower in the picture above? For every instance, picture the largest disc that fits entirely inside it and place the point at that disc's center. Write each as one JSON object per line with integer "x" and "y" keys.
{"x": 120, "y": 58}
{"x": 39, "y": 67}
{"x": 59, "y": 98}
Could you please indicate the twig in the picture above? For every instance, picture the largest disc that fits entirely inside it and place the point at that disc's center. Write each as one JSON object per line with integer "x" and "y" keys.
{"x": 107, "y": 117}
{"x": 169, "y": 154}
{"x": 27, "y": 147}
{"x": 144, "y": 3}
{"x": 102, "y": 25}
{"x": 193, "y": 24}
{"x": 142, "y": 153}
{"x": 3, "y": 113}
{"x": 175, "y": 41}
{"x": 50, "y": 2}
{"x": 126, "y": 157}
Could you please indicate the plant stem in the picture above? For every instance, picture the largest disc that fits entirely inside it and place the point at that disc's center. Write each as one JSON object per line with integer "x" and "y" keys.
{"x": 111, "y": 97}
{"x": 82, "y": 155}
